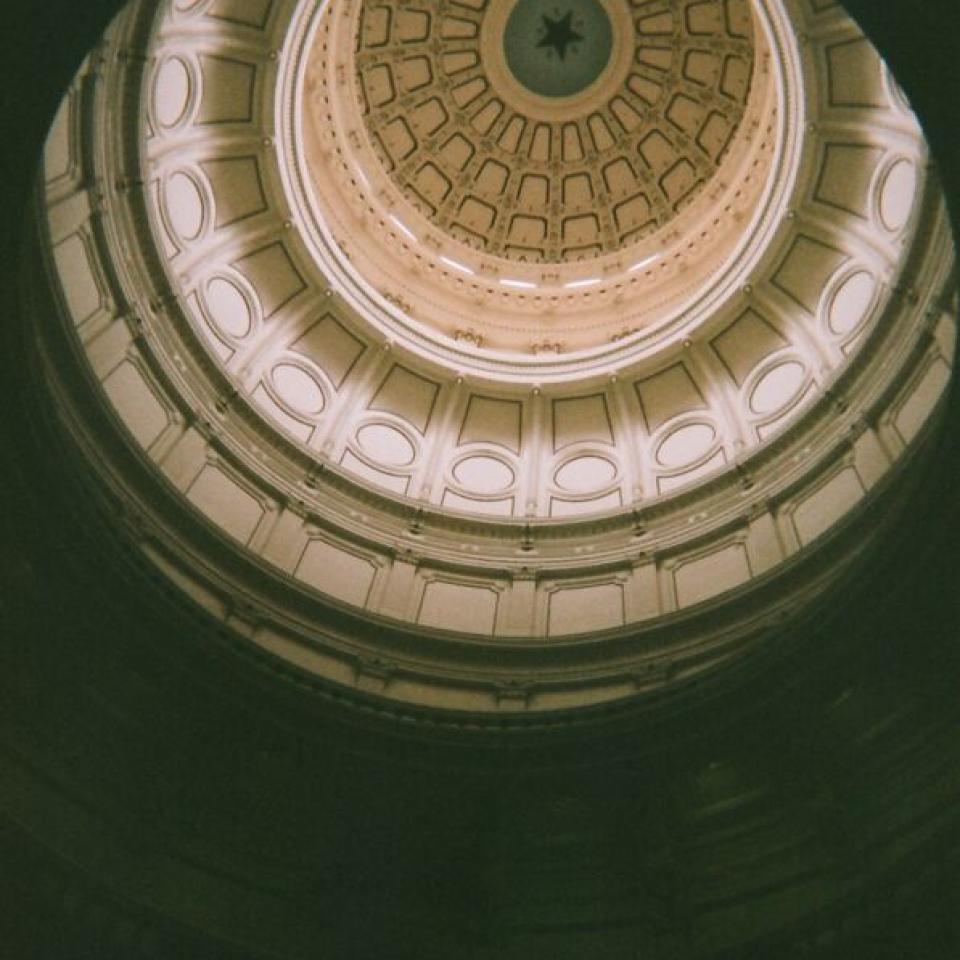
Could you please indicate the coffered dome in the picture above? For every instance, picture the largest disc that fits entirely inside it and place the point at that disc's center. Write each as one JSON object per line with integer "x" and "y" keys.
{"x": 543, "y": 138}
{"x": 501, "y": 356}
{"x": 523, "y": 222}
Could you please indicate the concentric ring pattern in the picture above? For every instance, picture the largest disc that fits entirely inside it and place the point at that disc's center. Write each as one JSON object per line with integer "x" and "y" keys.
{"x": 462, "y": 470}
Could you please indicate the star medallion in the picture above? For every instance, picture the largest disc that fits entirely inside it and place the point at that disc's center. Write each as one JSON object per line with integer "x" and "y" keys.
{"x": 559, "y": 34}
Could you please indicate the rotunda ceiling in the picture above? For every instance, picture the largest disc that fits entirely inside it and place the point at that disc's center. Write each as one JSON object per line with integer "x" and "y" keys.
{"x": 522, "y": 130}
{"x": 525, "y": 222}
{"x": 452, "y": 459}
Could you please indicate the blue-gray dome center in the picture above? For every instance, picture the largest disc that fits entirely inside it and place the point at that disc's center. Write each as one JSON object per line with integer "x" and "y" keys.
{"x": 557, "y": 48}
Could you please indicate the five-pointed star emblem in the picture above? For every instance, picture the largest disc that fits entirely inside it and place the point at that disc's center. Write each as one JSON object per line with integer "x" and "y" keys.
{"x": 559, "y": 34}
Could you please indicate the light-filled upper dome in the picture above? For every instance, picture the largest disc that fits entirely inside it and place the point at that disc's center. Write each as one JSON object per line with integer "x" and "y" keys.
{"x": 528, "y": 223}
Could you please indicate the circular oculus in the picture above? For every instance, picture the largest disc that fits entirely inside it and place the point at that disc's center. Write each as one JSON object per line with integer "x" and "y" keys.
{"x": 557, "y": 49}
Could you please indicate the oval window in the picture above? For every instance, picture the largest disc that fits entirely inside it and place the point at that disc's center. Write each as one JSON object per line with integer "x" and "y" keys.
{"x": 184, "y": 206}
{"x": 777, "y": 387}
{"x": 686, "y": 445}
{"x": 851, "y": 303}
{"x": 386, "y": 444}
{"x": 483, "y": 474}
{"x": 228, "y": 308}
{"x": 897, "y": 195}
{"x": 172, "y": 92}
{"x": 298, "y": 389}
{"x": 586, "y": 473}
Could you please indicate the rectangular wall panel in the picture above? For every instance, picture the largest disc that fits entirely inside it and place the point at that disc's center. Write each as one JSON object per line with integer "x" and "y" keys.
{"x": 457, "y": 606}
{"x": 826, "y": 505}
{"x": 711, "y": 574}
{"x": 585, "y": 609}
{"x": 337, "y": 572}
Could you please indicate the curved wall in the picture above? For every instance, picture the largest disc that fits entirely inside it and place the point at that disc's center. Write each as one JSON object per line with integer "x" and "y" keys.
{"x": 509, "y": 547}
